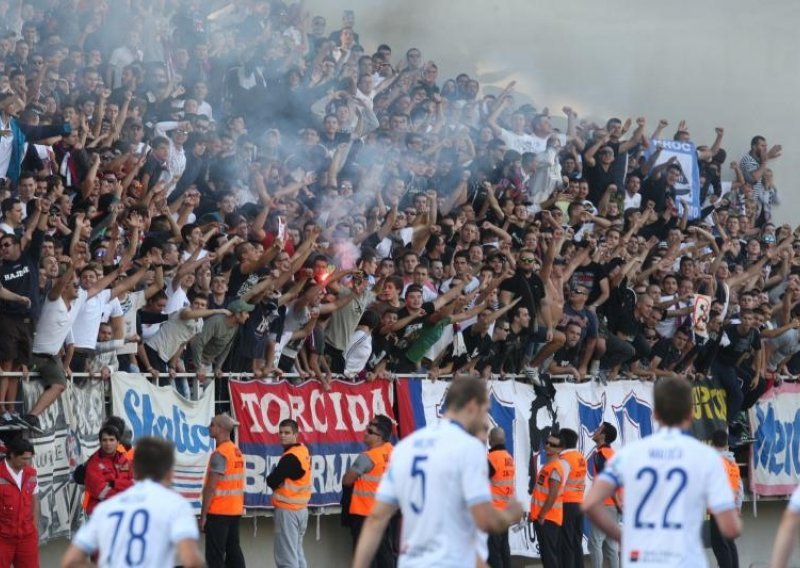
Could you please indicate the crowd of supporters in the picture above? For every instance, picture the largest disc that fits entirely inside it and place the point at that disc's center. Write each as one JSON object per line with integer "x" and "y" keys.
{"x": 207, "y": 187}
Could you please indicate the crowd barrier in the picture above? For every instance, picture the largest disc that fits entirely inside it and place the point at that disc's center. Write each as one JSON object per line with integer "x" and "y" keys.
{"x": 332, "y": 424}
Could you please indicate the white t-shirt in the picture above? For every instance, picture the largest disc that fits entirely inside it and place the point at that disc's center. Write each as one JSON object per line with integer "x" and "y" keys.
{"x": 523, "y": 142}
{"x": 55, "y": 323}
{"x": 670, "y": 480}
{"x": 84, "y": 335}
{"x": 436, "y": 474}
{"x": 131, "y": 304}
{"x": 357, "y": 352}
{"x": 139, "y": 527}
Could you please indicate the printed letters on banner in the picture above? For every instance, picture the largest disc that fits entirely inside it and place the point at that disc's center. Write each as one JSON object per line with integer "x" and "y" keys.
{"x": 149, "y": 410}
{"x": 775, "y": 424}
{"x": 332, "y": 425}
{"x": 687, "y": 189}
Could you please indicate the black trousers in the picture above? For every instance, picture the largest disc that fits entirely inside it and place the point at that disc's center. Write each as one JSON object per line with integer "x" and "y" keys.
{"x": 725, "y": 550}
{"x": 499, "y": 550}
{"x": 548, "y": 536}
{"x": 385, "y": 557}
{"x": 336, "y": 359}
{"x": 222, "y": 542}
{"x": 571, "y": 543}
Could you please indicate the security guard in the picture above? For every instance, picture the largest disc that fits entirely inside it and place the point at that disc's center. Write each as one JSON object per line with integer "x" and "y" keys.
{"x": 574, "y": 488}
{"x": 364, "y": 476}
{"x": 547, "y": 504}
{"x": 725, "y": 550}
{"x": 599, "y": 544}
{"x": 223, "y": 497}
{"x": 291, "y": 485}
{"x": 502, "y": 476}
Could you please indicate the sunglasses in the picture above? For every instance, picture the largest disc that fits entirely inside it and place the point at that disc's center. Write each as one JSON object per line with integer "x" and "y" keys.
{"x": 527, "y": 260}
{"x": 552, "y": 444}
{"x": 373, "y": 432}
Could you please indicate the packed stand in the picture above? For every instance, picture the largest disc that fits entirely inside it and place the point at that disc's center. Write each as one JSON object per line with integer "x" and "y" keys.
{"x": 208, "y": 188}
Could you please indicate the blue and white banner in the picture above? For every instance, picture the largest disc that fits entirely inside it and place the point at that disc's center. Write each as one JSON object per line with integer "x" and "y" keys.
{"x": 775, "y": 424}
{"x": 688, "y": 187}
{"x": 527, "y": 420}
{"x": 149, "y": 410}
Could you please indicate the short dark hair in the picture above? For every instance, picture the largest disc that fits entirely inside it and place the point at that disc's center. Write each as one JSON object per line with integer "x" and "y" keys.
{"x": 153, "y": 458}
{"x": 384, "y": 425}
{"x": 719, "y": 438}
{"x": 673, "y": 400}
{"x": 117, "y": 423}
{"x": 18, "y": 446}
{"x": 370, "y": 318}
{"x": 464, "y": 390}
{"x": 569, "y": 438}
{"x": 289, "y": 423}
{"x": 108, "y": 430}
{"x": 609, "y": 431}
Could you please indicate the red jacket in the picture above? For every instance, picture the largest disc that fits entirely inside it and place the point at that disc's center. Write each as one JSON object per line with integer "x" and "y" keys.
{"x": 16, "y": 507}
{"x": 102, "y": 472}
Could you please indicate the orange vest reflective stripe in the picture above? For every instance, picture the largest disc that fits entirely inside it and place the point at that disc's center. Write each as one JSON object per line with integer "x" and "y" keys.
{"x": 502, "y": 482}
{"x": 295, "y": 494}
{"x": 366, "y": 485}
{"x": 575, "y": 485}
{"x": 607, "y": 452}
{"x": 542, "y": 490}
{"x": 228, "y": 496}
{"x": 734, "y": 475}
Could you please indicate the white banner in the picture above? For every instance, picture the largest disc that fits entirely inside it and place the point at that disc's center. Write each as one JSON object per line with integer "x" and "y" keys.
{"x": 774, "y": 466}
{"x": 72, "y": 423}
{"x": 528, "y": 419}
{"x": 150, "y": 410}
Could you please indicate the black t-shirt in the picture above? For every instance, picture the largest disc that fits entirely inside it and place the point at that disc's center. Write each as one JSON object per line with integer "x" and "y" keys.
{"x": 667, "y": 352}
{"x": 657, "y": 191}
{"x": 568, "y": 356}
{"x": 514, "y": 351}
{"x": 589, "y": 276}
{"x": 529, "y": 288}
{"x": 740, "y": 344}
{"x": 599, "y": 180}
{"x": 22, "y": 277}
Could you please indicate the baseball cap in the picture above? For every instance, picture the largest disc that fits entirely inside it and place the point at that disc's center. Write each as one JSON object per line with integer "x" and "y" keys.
{"x": 240, "y": 306}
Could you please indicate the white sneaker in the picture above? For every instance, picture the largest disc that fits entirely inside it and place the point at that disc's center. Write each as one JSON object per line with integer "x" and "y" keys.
{"x": 532, "y": 374}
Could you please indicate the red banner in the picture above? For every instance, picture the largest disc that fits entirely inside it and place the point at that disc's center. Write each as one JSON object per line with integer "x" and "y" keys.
{"x": 332, "y": 425}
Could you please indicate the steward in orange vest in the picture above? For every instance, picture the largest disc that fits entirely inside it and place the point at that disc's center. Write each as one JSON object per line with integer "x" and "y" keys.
{"x": 502, "y": 478}
{"x": 223, "y": 497}
{"x": 19, "y": 537}
{"x": 574, "y": 487}
{"x": 364, "y": 476}
{"x": 547, "y": 505}
{"x": 291, "y": 483}
{"x": 725, "y": 550}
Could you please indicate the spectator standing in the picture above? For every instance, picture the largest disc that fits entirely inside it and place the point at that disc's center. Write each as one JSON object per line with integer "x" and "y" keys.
{"x": 291, "y": 485}
{"x": 19, "y": 515}
{"x": 364, "y": 476}
{"x": 108, "y": 470}
{"x": 223, "y": 497}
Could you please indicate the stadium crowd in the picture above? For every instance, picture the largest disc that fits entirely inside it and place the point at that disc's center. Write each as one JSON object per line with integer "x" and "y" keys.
{"x": 207, "y": 187}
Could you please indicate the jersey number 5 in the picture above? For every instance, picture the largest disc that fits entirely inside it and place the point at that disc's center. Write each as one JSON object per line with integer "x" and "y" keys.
{"x": 676, "y": 477}
{"x": 418, "y": 477}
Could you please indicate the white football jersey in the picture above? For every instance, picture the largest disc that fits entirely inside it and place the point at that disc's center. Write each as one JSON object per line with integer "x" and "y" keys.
{"x": 670, "y": 480}
{"x": 435, "y": 475}
{"x": 139, "y": 527}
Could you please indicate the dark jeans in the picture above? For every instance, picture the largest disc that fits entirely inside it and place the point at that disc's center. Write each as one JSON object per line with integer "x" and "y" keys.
{"x": 724, "y": 549}
{"x": 499, "y": 550}
{"x": 222, "y": 542}
{"x": 385, "y": 556}
{"x": 571, "y": 543}
{"x": 729, "y": 381}
{"x": 547, "y": 535}
{"x": 618, "y": 351}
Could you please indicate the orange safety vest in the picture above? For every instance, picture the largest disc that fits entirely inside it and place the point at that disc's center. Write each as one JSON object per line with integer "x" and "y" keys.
{"x": 502, "y": 482}
{"x": 542, "y": 490}
{"x": 366, "y": 485}
{"x": 734, "y": 476}
{"x": 294, "y": 494}
{"x": 575, "y": 485}
{"x": 228, "y": 498}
